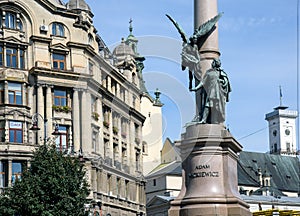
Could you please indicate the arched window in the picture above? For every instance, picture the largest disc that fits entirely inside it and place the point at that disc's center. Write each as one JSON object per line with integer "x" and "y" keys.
{"x": 13, "y": 21}
{"x": 133, "y": 78}
{"x": 58, "y": 29}
{"x": 10, "y": 20}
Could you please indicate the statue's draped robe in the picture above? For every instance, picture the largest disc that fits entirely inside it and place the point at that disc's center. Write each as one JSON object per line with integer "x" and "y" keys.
{"x": 215, "y": 92}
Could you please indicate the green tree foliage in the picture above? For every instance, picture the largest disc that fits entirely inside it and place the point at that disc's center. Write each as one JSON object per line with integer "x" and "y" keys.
{"x": 53, "y": 185}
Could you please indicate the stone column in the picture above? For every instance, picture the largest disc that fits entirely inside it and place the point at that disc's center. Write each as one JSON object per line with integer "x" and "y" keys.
{"x": 30, "y": 98}
{"x": 6, "y": 92}
{"x": 111, "y": 137}
{"x": 99, "y": 181}
{"x": 118, "y": 90}
{"x": 76, "y": 121}
{"x": 4, "y": 51}
{"x": 24, "y": 99}
{"x": 108, "y": 83}
{"x": 131, "y": 149}
{"x": 9, "y": 172}
{"x": 31, "y": 136}
{"x": 40, "y": 110}
{"x": 100, "y": 137}
{"x": 6, "y": 133}
{"x": 204, "y": 10}
{"x": 49, "y": 111}
{"x": 25, "y": 135}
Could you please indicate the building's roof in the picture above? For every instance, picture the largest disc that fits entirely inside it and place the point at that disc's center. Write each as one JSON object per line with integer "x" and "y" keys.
{"x": 283, "y": 170}
{"x": 159, "y": 200}
{"x": 269, "y": 190}
{"x": 123, "y": 50}
{"x": 262, "y": 199}
{"x": 173, "y": 168}
{"x": 166, "y": 198}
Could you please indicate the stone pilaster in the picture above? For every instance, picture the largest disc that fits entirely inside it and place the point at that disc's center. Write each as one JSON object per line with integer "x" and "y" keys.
{"x": 86, "y": 129}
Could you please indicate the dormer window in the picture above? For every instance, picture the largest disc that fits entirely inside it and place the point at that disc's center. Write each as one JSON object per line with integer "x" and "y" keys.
{"x": 58, "y": 29}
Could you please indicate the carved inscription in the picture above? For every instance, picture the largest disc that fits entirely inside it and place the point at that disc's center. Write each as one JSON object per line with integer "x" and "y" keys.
{"x": 203, "y": 171}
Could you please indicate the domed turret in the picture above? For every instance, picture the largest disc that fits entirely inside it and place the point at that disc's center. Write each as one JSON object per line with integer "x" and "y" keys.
{"x": 122, "y": 51}
{"x": 78, "y": 5}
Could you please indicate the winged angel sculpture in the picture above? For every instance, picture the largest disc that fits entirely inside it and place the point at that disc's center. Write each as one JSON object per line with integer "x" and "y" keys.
{"x": 190, "y": 57}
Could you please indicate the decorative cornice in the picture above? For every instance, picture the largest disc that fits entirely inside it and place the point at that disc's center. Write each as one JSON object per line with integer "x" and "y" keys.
{"x": 40, "y": 39}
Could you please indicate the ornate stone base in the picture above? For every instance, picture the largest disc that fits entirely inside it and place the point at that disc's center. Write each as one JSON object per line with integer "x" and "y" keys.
{"x": 209, "y": 155}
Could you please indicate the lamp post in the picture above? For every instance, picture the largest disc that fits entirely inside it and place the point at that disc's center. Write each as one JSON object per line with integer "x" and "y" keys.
{"x": 35, "y": 127}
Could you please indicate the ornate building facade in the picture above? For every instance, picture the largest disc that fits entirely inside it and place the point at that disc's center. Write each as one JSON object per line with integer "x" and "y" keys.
{"x": 57, "y": 73}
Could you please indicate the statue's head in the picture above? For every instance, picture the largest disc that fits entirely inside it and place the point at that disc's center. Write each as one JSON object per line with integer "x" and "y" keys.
{"x": 193, "y": 39}
{"x": 216, "y": 63}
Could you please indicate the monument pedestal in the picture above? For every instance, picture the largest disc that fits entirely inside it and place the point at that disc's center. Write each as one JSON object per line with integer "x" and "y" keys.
{"x": 209, "y": 169}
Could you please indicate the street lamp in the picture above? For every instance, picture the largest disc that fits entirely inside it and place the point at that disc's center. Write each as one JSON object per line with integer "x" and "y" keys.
{"x": 35, "y": 126}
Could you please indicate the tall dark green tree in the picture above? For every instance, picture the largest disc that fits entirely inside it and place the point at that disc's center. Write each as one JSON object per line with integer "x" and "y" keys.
{"x": 54, "y": 185}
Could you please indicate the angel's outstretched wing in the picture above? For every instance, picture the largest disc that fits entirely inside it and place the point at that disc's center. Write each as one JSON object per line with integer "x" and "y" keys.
{"x": 178, "y": 27}
{"x": 207, "y": 26}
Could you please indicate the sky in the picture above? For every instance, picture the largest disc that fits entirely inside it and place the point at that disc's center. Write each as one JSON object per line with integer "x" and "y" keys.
{"x": 258, "y": 45}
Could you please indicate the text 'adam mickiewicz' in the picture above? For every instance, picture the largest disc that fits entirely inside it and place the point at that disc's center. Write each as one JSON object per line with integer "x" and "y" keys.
{"x": 204, "y": 174}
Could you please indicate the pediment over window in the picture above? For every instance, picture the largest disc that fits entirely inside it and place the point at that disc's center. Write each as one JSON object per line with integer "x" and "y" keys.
{"x": 13, "y": 40}
{"x": 59, "y": 48}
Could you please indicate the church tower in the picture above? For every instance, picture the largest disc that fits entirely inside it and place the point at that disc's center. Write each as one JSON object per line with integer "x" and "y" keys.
{"x": 282, "y": 131}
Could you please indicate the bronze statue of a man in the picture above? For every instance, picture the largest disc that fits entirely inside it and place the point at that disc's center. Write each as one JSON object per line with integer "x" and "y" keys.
{"x": 215, "y": 88}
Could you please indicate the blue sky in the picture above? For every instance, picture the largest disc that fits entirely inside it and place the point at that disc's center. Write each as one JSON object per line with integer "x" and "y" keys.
{"x": 257, "y": 41}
